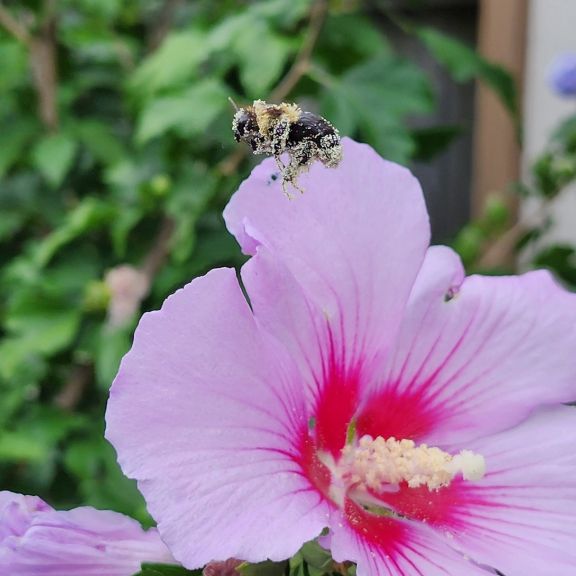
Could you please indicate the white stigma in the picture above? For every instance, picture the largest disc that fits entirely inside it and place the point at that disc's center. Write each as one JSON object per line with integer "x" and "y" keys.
{"x": 382, "y": 464}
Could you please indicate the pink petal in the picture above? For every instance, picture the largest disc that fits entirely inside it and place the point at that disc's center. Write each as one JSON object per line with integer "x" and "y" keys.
{"x": 384, "y": 546}
{"x": 208, "y": 414}
{"x": 354, "y": 241}
{"x": 477, "y": 363}
{"x": 521, "y": 518}
{"x": 16, "y": 513}
{"x": 390, "y": 408}
{"x": 281, "y": 307}
{"x": 79, "y": 542}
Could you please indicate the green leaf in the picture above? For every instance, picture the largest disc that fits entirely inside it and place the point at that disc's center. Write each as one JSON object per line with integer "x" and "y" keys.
{"x": 316, "y": 556}
{"x": 211, "y": 249}
{"x": 279, "y": 13}
{"x": 171, "y": 65}
{"x": 112, "y": 345}
{"x": 375, "y": 98}
{"x": 433, "y": 141}
{"x": 131, "y": 185}
{"x": 40, "y": 431}
{"x": 106, "y": 9}
{"x": 465, "y": 64}
{"x": 53, "y": 157}
{"x": 496, "y": 216}
{"x": 20, "y": 364}
{"x": 225, "y": 33}
{"x": 40, "y": 326}
{"x": 565, "y": 134}
{"x": 14, "y": 138}
{"x": 92, "y": 461}
{"x": 187, "y": 202}
{"x": 166, "y": 570}
{"x": 336, "y": 50}
{"x": 99, "y": 139}
{"x": 251, "y": 40}
{"x": 123, "y": 224}
{"x": 187, "y": 114}
{"x": 468, "y": 243}
{"x": 531, "y": 236}
{"x": 13, "y": 64}
{"x": 552, "y": 172}
{"x": 17, "y": 391}
{"x": 43, "y": 315}
{"x": 20, "y": 446}
{"x": 90, "y": 214}
{"x": 10, "y": 223}
{"x": 51, "y": 424}
{"x": 262, "y": 56}
{"x": 560, "y": 259}
{"x": 267, "y": 568}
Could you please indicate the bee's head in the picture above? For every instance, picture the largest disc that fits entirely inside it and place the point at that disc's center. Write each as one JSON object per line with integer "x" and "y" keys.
{"x": 245, "y": 126}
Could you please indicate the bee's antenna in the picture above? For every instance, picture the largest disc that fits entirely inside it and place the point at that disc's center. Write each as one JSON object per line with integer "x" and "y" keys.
{"x": 235, "y": 106}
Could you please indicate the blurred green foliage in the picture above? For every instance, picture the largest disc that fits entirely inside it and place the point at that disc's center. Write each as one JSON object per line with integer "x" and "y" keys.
{"x": 553, "y": 173}
{"x": 116, "y": 149}
{"x": 495, "y": 242}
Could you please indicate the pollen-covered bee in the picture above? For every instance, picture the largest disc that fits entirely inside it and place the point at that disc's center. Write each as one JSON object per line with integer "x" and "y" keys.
{"x": 276, "y": 129}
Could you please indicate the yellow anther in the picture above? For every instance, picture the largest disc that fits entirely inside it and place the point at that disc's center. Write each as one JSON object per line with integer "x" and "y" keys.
{"x": 382, "y": 464}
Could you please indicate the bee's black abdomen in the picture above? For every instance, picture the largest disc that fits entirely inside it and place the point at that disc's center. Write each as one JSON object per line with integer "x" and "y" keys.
{"x": 309, "y": 127}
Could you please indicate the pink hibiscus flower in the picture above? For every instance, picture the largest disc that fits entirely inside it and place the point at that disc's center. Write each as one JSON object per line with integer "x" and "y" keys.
{"x": 36, "y": 540}
{"x": 367, "y": 387}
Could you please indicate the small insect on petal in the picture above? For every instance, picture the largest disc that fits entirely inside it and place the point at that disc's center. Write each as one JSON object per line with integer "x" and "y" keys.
{"x": 277, "y": 129}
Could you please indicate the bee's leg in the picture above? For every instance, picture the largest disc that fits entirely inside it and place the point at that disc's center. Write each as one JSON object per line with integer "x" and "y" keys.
{"x": 297, "y": 186}
{"x": 289, "y": 177}
{"x": 280, "y": 164}
{"x": 291, "y": 174}
{"x": 285, "y": 175}
{"x": 301, "y": 157}
{"x": 285, "y": 189}
{"x": 305, "y": 155}
{"x": 280, "y": 137}
{"x": 283, "y": 171}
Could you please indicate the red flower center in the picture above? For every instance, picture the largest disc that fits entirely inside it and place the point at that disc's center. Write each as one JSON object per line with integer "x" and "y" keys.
{"x": 369, "y": 453}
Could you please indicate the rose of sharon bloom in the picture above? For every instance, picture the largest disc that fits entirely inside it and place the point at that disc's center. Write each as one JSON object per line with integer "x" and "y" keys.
{"x": 367, "y": 387}
{"x": 563, "y": 75}
{"x": 36, "y": 540}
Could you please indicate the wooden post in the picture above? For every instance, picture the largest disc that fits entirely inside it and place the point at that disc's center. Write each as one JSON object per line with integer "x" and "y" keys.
{"x": 502, "y": 39}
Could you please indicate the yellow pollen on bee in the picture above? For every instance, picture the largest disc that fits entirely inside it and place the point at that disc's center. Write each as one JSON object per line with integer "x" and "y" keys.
{"x": 268, "y": 114}
{"x": 290, "y": 111}
{"x": 378, "y": 463}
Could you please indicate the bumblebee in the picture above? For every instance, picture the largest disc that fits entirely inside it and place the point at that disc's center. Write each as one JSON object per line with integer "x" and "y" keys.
{"x": 277, "y": 129}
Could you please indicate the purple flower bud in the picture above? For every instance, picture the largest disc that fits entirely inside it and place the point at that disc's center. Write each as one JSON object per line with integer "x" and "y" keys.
{"x": 563, "y": 75}
{"x": 36, "y": 540}
{"x": 128, "y": 286}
